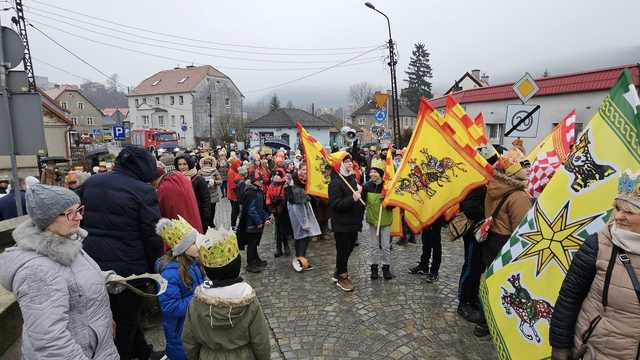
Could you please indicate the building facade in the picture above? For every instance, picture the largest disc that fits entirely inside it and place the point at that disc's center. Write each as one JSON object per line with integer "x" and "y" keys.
{"x": 181, "y": 100}
{"x": 84, "y": 115}
{"x": 281, "y": 124}
{"x": 558, "y": 95}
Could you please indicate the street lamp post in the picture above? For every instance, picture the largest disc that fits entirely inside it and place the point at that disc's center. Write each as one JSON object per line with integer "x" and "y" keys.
{"x": 209, "y": 99}
{"x": 394, "y": 84}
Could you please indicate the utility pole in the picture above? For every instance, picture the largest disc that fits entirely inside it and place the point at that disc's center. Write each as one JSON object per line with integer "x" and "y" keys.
{"x": 19, "y": 21}
{"x": 209, "y": 99}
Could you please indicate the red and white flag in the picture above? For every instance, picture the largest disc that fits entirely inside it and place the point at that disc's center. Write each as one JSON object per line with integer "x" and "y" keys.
{"x": 551, "y": 153}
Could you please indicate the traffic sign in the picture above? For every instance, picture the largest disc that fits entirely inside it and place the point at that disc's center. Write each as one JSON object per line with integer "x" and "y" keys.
{"x": 380, "y": 116}
{"x": 515, "y": 113}
{"x": 118, "y": 133}
{"x": 233, "y": 131}
{"x": 380, "y": 99}
{"x": 525, "y": 88}
{"x": 97, "y": 132}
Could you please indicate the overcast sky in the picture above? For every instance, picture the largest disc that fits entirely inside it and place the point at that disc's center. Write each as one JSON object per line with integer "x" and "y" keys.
{"x": 502, "y": 38}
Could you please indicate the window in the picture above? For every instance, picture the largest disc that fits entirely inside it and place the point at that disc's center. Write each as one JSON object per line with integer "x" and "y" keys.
{"x": 181, "y": 100}
{"x": 495, "y": 130}
{"x": 227, "y": 102}
{"x": 183, "y": 80}
{"x": 145, "y": 120}
{"x": 156, "y": 82}
{"x": 361, "y": 121}
{"x": 144, "y": 100}
{"x": 64, "y": 105}
{"x": 578, "y": 129}
{"x": 80, "y": 105}
{"x": 74, "y": 120}
{"x": 69, "y": 95}
{"x": 157, "y": 100}
{"x": 182, "y": 120}
{"x": 137, "y": 102}
{"x": 172, "y": 100}
{"x": 173, "y": 120}
{"x": 161, "y": 121}
{"x": 91, "y": 120}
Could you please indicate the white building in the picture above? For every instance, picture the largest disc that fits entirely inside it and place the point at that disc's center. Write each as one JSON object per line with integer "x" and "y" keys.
{"x": 281, "y": 124}
{"x": 558, "y": 95}
{"x": 181, "y": 100}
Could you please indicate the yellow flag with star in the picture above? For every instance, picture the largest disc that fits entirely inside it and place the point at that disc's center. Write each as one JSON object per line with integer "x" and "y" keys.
{"x": 575, "y": 204}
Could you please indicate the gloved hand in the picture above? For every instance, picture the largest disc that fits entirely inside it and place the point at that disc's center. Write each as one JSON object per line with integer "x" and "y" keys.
{"x": 111, "y": 281}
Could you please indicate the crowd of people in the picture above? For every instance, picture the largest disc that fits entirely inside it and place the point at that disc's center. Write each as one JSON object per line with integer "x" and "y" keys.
{"x": 156, "y": 213}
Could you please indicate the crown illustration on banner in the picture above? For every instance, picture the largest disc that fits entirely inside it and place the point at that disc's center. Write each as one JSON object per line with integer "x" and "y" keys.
{"x": 173, "y": 231}
{"x": 377, "y": 163}
{"x": 217, "y": 248}
{"x": 629, "y": 183}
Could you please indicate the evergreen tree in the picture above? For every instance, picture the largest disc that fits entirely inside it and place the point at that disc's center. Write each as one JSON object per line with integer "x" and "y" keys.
{"x": 275, "y": 103}
{"x": 418, "y": 73}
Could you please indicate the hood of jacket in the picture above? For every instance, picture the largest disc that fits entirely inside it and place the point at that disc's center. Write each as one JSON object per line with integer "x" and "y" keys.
{"x": 235, "y": 164}
{"x": 136, "y": 161}
{"x": 225, "y": 303}
{"x": 172, "y": 180}
{"x": 501, "y": 184}
{"x": 31, "y": 242}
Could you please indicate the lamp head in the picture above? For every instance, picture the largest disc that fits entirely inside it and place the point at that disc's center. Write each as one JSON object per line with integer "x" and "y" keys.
{"x": 369, "y": 5}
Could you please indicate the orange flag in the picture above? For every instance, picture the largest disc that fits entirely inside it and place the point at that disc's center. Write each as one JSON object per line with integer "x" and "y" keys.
{"x": 475, "y": 133}
{"x": 389, "y": 172}
{"x": 317, "y": 161}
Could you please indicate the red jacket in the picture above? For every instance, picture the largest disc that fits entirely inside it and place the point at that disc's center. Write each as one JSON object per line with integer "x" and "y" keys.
{"x": 176, "y": 197}
{"x": 232, "y": 177}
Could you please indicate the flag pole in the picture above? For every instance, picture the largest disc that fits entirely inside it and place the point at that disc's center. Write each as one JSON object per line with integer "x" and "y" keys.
{"x": 349, "y": 185}
{"x": 379, "y": 219}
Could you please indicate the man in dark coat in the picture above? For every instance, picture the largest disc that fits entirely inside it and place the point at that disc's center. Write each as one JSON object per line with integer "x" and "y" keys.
{"x": 121, "y": 212}
{"x": 8, "y": 209}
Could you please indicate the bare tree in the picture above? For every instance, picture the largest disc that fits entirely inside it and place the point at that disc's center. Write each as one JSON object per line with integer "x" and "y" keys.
{"x": 360, "y": 93}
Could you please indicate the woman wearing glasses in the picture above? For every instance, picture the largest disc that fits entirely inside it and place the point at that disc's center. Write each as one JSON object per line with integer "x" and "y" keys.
{"x": 61, "y": 290}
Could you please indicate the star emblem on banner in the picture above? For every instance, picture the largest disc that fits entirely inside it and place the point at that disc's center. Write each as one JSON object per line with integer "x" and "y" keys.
{"x": 553, "y": 239}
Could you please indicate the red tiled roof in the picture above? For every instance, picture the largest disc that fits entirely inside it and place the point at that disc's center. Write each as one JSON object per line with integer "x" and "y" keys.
{"x": 56, "y": 91}
{"x": 600, "y": 79}
{"x": 169, "y": 81}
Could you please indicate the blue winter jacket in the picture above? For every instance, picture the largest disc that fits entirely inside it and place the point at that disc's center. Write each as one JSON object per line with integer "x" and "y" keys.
{"x": 174, "y": 304}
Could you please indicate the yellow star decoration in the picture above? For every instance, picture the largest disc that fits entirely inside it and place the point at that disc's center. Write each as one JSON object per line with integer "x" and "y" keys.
{"x": 553, "y": 240}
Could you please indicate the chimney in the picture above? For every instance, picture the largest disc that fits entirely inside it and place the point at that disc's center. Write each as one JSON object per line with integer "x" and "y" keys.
{"x": 476, "y": 74}
{"x": 190, "y": 66}
{"x": 57, "y": 86}
{"x": 313, "y": 109}
{"x": 177, "y": 67}
{"x": 485, "y": 78}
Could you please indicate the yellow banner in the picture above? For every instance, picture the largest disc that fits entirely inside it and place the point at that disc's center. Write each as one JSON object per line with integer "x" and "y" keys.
{"x": 436, "y": 173}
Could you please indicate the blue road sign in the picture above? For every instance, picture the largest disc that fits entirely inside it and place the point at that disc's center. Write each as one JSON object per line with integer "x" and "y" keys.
{"x": 380, "y": 115}
{"x": 97, "y": 132}
{"x": 233, "y": 131}
{"x": 118, "y": 133}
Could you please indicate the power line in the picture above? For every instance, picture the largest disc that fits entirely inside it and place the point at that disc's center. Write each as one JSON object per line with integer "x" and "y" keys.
{"x": 312, "y": 74}
{"x": 181, "y": 50}
{"x": 198, "y": 40}
{"x": 181, "y": 60}
{"x": 38, "y": 12}
{"x": 72, "y": 53}
{"x": 62, "y": 70}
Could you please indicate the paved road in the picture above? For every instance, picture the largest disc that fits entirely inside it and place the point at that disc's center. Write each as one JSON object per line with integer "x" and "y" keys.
{"x": 404, "y": 318}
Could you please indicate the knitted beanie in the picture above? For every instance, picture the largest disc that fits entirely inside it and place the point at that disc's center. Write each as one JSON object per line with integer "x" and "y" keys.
{"x": 45, "y": 203}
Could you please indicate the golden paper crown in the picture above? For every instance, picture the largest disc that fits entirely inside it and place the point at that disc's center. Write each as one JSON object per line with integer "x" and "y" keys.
{"x": 377, "y": 163}
{"x": 217, "y": 248}
{"x": 174, "y": 231}
{"x": 629, "y": 183}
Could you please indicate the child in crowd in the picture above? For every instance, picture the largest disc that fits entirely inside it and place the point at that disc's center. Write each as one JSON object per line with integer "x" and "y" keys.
{"x": 225, "y": 319}
{"x": 303, "y": 220}
{"x": 254, "y": 216}
{"x": 183, "y": 274}
{"x": 379, "y": 243}
{"x": 277, "y": 206}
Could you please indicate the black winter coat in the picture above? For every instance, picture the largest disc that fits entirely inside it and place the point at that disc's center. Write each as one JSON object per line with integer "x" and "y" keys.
{"x": 473, "y": 205}
{"x": 574, "y": 290}
{"x": 346, "y": 214}
{"x": 121, "y": 212}
{"x": 203, "y": 196}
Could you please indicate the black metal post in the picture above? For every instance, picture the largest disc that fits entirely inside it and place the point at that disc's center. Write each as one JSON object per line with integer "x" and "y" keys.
{"x": 394, "y": 84}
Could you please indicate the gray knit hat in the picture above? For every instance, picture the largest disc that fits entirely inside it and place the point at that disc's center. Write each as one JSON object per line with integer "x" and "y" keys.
{"x": 45, "y": 203}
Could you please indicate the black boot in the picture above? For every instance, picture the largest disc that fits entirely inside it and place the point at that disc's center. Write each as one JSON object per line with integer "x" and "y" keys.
{"x": 374, "y": 272}
{"x": 278, "y": 252}
{"x": 386, "y": 272}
